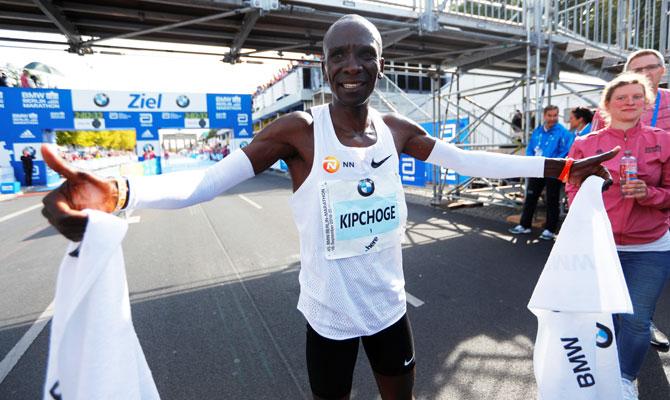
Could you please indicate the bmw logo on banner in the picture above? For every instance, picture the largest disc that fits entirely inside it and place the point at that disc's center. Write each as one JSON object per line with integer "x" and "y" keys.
{"x": 604, "y": 337}
{"x": 183, "y": 101}
{"x": 366, "y": 187}
{"x": 101, "y": 100}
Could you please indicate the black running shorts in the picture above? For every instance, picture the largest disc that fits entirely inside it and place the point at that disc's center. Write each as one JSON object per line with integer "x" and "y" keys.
{"x": 330, "y": 363}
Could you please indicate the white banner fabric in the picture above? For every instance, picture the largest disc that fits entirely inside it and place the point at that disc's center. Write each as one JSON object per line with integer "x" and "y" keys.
{"x": 94, "y": 352}
{"x": 582, "y": 284}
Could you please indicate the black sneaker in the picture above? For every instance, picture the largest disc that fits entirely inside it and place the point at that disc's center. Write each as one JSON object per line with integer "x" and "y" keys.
{"x": 658, "y": 338}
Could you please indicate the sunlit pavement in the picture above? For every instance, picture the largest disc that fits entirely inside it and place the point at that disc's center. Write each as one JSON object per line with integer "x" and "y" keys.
{"x": 214, "y": 289}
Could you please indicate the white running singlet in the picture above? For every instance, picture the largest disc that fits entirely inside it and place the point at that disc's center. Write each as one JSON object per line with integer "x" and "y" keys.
{"x": 351, "y": 214}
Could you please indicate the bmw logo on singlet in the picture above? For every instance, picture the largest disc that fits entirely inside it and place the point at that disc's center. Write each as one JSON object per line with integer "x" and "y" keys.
{"x": 366, "y": 187}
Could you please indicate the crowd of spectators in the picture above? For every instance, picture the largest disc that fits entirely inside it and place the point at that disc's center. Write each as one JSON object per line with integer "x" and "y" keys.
{"x": 25, "y": 80}
{"x": 281, "y": 74}
{"x": 634, "y": 114}
{"x": 90, "y": 154}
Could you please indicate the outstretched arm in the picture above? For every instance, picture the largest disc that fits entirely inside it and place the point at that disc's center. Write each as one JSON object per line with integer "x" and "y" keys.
{"x": 187, "y": 188}
{"x": 82, "y": 190}
{"x": 414, "y": 141}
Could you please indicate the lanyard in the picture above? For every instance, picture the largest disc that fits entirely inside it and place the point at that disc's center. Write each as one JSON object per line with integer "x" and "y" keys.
{"x": 656, "y": 107}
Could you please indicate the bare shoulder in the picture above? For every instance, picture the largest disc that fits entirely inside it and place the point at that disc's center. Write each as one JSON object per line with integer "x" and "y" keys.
{"x": 401, "y": 123}
{"x": 410, "y": 138}
{"x": 288, "y": 126}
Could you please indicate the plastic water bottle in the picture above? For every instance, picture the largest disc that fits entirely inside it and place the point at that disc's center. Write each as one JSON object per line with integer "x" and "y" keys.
{"x": 627, "y": 168}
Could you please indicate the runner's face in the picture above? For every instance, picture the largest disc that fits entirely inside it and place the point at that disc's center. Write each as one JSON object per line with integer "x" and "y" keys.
{"x": 353, "y": 62}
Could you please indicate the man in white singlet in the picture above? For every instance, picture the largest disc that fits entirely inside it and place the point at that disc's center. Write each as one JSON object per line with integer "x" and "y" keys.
{"x": 348, "y": 205}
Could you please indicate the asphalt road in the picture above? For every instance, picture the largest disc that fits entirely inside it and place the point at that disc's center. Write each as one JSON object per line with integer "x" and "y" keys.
{"x": 214, "y": 289}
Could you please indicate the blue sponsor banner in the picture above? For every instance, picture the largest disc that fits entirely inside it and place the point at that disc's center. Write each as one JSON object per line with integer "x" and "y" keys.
{"x": 42, "y": 175}
{"x": 119, "y": 119}
{"x": 22, "y": 134}
{"x": 412, "y": 171}
{"x": 449, "y": 129}
{"x": 44, "y": 108}
{"x": 28, "y": 118}
{"x": 143, "y": 120}
{"x": 231, "y": 111}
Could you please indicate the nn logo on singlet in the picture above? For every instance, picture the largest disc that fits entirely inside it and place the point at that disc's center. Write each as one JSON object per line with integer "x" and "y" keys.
{"x": 331, "y": 164}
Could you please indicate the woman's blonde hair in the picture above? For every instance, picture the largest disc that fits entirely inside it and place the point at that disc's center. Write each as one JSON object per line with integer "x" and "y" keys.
{"x": 626, "y": 78}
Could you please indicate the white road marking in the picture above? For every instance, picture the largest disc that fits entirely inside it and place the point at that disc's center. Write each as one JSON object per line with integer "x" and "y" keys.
{"x": 248, "y": 200}
{"x": 15, "y": 354}
{"x": 16, "y": 214}
{"x": 413, "y": 300}
{"x": 135, "y": 219}
{"x": 665, "y": 360}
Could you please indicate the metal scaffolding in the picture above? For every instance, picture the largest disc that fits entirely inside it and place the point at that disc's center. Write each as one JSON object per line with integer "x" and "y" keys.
{"x": 526, "y": 42}
{"x": 598, "y": 31}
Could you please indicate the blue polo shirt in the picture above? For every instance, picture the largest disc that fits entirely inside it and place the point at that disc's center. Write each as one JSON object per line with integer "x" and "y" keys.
{"x": 552, "y": 143}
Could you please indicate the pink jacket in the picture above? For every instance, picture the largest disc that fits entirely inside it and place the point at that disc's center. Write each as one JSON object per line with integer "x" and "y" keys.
{"x": 633, "y": 221}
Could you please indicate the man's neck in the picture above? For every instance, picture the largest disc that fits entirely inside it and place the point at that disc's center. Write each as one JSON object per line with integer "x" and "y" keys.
{"x": 352, "y": 119}
{"x": 548, "y": 128}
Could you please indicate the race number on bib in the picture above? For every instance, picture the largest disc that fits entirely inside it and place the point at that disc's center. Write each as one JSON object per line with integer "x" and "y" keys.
{"x": 359, "y": 217}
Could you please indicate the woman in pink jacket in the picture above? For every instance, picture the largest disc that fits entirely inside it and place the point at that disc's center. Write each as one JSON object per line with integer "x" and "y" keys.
{"x": 636, "y": 211}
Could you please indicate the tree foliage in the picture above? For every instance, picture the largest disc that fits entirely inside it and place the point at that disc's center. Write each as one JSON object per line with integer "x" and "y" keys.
{"x": 116, "y": 140}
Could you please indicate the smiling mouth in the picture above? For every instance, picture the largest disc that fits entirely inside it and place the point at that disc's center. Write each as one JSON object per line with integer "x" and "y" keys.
{"x": 352, "y": 85}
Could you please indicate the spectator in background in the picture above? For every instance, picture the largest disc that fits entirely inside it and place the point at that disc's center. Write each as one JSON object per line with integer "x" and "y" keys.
{"x": 637, "y": 211}
{"x": 26, "y": 81}
{"x": 517, "y": 122}
{"x": 552, "y": 140}
{"x": 36, "y": 81}
{"x": 580, "y": 121}
{"x": 27, "y": 164}
{"x": 651, "y": 64}
{"x": 3, "y": 79}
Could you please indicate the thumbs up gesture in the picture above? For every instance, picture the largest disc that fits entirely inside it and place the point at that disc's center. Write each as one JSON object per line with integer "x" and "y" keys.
{"x": 81, "y": 190}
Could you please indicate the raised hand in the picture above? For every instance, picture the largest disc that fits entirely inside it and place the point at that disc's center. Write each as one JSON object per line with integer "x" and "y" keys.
{"x": 582, "y": 169}
{"x": 81, "y": 190}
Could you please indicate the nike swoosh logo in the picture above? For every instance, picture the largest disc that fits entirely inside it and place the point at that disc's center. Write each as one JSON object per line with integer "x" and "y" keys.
{"x": 378, "y": 164}
{"x": 408, "y": 362}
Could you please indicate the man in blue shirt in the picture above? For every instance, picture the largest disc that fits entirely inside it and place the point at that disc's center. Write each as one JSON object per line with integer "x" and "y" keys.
{"x": 550, "y": 139}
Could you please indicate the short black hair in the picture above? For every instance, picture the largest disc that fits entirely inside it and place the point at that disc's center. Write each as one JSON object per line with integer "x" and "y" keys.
{"x": 355, "y": 18}
{"x": 583, "y": 113}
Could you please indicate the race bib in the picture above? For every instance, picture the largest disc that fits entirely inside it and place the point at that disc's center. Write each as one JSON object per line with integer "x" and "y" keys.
{"x": 360, "y": 217}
